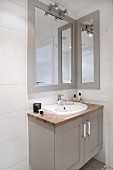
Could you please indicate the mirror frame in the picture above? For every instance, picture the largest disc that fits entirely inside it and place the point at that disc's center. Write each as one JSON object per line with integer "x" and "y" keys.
{"x": 31, "y": 64}
{"x": 96, "y": 45}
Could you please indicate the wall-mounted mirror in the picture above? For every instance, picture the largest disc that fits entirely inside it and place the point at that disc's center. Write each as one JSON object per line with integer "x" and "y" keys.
{"x": 48, "y": 33}
{"x": 88, "y": 53}
{"x": 50, "y": 36}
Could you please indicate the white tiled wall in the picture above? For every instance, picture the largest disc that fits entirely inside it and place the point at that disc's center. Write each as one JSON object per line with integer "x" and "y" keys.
{"x": 13, "y": 146}
{"x": 12, "y": 125}
{"x": 12, "y": 15}
{"x": 104, "y": 96}
{"x": 13, "y": 42}
{"x": 12, "y": 152}
{"x": 19, "y": 166}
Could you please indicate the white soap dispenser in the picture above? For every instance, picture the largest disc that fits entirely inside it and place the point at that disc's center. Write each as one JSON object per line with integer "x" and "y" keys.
{"x": 79, "y": 97}
{"x": 74, "y": 98}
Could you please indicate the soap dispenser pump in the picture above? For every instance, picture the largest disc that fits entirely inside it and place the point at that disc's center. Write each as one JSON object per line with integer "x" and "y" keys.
{"x": 74, "y": 98}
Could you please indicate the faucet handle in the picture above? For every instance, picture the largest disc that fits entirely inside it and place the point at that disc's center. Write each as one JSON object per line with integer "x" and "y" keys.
{"x": 59, "y": 96}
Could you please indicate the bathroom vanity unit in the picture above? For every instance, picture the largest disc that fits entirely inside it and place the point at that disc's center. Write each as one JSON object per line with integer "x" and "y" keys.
{"x": 65, "y": 142}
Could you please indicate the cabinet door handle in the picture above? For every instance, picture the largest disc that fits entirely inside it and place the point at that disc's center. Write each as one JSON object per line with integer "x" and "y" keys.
{"x": 84, "y": 130}
{"x": 89, "y": 127}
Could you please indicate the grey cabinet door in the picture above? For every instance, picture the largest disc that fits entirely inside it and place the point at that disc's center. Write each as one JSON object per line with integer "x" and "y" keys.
{"x": 41, "y": 145}
{"x": 94, "y": 139}
{"x": 69, "y": 145}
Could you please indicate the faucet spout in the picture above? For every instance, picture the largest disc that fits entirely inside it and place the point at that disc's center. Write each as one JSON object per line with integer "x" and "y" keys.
{"x": 60, "y": 100}
{"x": 60, "y": 96}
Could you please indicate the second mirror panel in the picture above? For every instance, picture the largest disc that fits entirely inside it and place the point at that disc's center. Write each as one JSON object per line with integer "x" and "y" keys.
{"x": 66, "y": 56}
{"x": 87, "y": 37}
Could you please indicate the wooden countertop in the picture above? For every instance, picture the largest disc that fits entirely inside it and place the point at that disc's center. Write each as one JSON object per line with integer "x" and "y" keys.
{"x": 57, "y": 120}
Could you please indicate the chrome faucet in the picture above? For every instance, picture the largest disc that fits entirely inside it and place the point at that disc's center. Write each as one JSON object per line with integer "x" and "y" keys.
{"x": 60, "y": 100}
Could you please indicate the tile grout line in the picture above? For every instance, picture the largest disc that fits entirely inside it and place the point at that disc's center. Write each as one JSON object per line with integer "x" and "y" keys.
{"x": 13, "y": 139}
{"x": 1, "y": 114}
{"x": 17, "y": 3}
{"x": 16, "y": 163}
{"x": 13, "y": 29}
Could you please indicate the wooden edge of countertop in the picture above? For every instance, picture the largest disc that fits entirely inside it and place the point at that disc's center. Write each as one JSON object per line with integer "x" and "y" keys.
{"x": 57, "y": 120}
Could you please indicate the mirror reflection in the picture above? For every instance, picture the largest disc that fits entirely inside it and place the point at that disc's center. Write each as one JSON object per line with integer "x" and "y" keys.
{"x": 87, "y": 52}
{"x": 66, "y": 56}
{"x": 46, "y": 49}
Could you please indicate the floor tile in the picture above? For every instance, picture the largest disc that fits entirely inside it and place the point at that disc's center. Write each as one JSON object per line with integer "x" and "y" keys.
{"x": 93, "y": 164}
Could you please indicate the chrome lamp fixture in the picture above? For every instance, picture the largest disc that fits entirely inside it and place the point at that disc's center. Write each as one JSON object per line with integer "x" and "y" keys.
{"x": 65, "y": 12}
{"x": 56, "y": 6}
{"x": 88, "y": 28}
{"x": 46, "y": 13}
{"x": 55, "y": 11}
{"x": 56, "y": 18}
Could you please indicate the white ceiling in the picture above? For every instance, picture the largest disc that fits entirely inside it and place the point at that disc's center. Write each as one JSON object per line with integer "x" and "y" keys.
{"x": 79, "y": 8}
{"x": 75, "y": 5}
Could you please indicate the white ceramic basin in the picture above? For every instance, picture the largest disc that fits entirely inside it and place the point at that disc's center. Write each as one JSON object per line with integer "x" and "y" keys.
{"x": 65, "y": 109}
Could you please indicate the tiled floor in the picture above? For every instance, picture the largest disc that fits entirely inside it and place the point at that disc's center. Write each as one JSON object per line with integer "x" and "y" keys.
{"x": 93, "y": 164}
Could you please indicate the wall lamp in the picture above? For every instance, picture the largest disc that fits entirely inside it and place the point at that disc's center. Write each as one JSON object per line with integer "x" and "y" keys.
{"x": 55, "y": 11}
{"x": 88, "y": 28}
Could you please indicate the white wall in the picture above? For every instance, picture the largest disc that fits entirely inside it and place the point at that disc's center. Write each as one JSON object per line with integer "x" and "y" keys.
{"x": 104, "y": 96}
{"x": 12, "y": 85}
